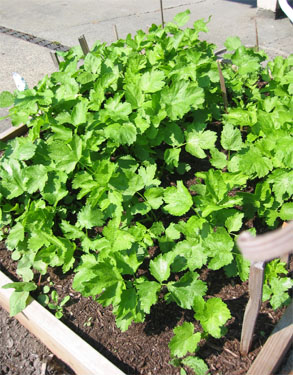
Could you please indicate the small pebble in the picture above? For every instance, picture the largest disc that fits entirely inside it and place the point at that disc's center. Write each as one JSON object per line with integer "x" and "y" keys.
{"x": 9, "y": 343}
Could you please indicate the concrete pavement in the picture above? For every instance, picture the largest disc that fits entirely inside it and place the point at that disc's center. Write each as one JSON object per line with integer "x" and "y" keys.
{"x": 66, "y": 20}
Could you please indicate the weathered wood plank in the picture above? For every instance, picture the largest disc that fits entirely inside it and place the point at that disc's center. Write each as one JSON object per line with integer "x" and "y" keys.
{"x": 55, "y": 59}
{"x": 256, "y": 277}
{"x": 275, "y": 348}
{"x": 63, "y": 342}
{"x": 116, "y": 32}
{"x": 162, "y": 13}
{"x": 13, "y": 132}
{"x": 83, "y": 44}
{"x": 267, "y": 246}
{"x": 223, "y": 86}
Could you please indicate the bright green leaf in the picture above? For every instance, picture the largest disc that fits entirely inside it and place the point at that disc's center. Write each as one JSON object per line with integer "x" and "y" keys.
{"x": 178, "y": 199}
{"x": 184, "y": 340}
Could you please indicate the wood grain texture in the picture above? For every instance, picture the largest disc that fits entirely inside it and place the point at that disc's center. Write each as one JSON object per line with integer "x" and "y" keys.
{"x": 64, "y": 343}
{"x": 223, "y": 86}
{"x": 267, "y": 246}
{"x": 83, "y": 44}
{"x": 13, "y": 132}
{"x": 275, "y": 348}
{"x": 256, "y": 278}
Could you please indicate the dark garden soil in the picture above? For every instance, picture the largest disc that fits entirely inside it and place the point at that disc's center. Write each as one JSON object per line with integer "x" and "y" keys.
{"x": 143, "y": 349}
{"x": 22, "y": 354}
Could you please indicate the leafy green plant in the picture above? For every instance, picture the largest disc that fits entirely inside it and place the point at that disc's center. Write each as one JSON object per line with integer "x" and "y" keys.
{"x": 20, "y": 297}
{"x": 276, "y": 286}
{"x": 53, "y": 301}
{"x": 136, "y": 177}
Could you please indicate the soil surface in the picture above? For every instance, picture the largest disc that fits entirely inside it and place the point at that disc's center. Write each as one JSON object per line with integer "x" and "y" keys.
{"x": 143, "y": 349}
{"x": 22, "y": 354}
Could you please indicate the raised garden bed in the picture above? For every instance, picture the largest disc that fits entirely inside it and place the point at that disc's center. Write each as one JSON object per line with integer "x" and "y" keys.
{"x": 143, "y": 162}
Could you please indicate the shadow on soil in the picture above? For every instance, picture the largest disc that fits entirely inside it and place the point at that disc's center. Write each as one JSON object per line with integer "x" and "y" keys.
{"x": 128, "y": 370}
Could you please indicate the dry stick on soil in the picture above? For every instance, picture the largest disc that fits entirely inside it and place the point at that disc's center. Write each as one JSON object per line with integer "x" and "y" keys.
{"x": 275, "y": 347}
{"x": 162, "y": 13}
{"x": 84, "y": 45}
{"x": 223, "y": 86}
{"x": 55, "y": 59}
{"x": 256, "y": 277}
{"x": 115, "y": 32}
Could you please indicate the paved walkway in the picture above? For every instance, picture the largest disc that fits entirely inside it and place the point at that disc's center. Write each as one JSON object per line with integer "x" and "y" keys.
{"x": 65, "y": 21}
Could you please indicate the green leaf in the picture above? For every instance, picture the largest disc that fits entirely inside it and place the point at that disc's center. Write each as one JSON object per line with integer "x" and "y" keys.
{"x": 152, "y": 81}
{"x": 119, "y": 239}
{"x": 34, "y": 178}
{"x": 184, "y": 290}
{"x": 55, "y": 188}
{"x": 180, "y": 97}
{"x": 234, "y": 222}
{"x": 212, "y": 316}
{"x": 127, "y": 134}
{"x": 148, "y": 293}
{"x": 23, "y": 148}
{"x": 21, "y": 286}
{"x": 282, "y": 183}
{"x": 201, "y": 25}
{"x": 197, "y": 365}
{"x": 15, "y": 236}
{"x": 219, "y": 246}
{"x": 92, "y": 63}
{"x": 174, "y": 135}
{"x": 89, "y": 217}
{"x": 218, "y": 159}
{"x": 121, "y": 134}
{"x": 278, "y": 295}
{"x": 18, "y": 302}
{"x": 134, "y": 95}
{"x": 193, "y": 253}
{"x": 182, "y": 18}
{"x": 154, "y": 197}
{"x": 117, "y": 110}
{"x": 71, "y": 231}
{"x": 65, "y": 155}
{"x": 148, "y": 174}
{"x": 125, "y": 311}
{"x": 160, "y": 267}
{"x": 92, "y": 277}
{"x": 112, "y": 294}
{"x": 232, "y": 43}
{"x": 196, "y": 142}
{"x": 178, "y": 199}
{"x": 253, "y": 162}
{"x": 184, "y": 340}
{"x": 171, "y": 156}
{"x": 6, "y": 99}
{"x": 286, "y": 212}
{"x": 231, "y": 138}
{"x": 79, "y": 113}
